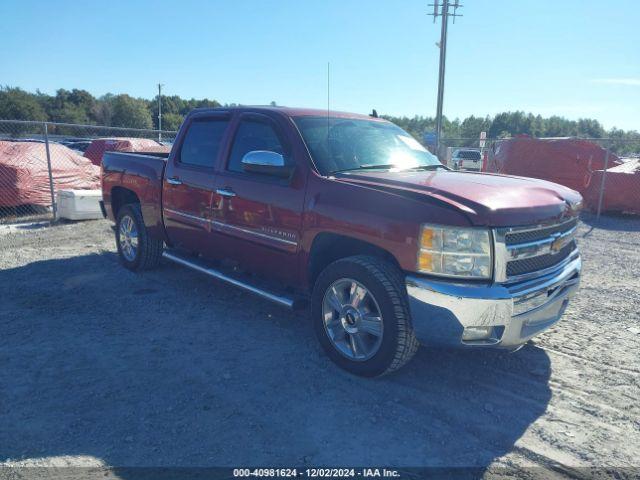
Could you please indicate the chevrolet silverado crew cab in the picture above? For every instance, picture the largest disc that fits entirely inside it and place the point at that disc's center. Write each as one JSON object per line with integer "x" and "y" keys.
{"x": 349, "y": 217}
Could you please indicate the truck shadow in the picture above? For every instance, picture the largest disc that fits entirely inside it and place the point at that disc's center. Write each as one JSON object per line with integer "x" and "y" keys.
{"x": 170, "y": 368}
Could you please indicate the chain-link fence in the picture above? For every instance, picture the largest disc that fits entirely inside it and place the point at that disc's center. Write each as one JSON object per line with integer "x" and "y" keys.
{"x": 608, "y": 182}
{"x": 40, "y": 159}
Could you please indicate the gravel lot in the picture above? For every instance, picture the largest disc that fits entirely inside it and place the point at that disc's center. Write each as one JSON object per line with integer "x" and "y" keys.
{"x": 104, "y": 367}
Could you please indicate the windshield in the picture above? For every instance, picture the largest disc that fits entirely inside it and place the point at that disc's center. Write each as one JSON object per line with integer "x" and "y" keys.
{"x": 342, "y": 144}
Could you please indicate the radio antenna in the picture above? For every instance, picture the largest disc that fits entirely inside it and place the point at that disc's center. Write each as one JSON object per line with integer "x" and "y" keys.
{"x": 328, "y": 98}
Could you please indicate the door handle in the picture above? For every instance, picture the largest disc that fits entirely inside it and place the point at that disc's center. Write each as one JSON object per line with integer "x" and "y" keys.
{"x": 225, "y": 192}
{"x": 174, "y": 181}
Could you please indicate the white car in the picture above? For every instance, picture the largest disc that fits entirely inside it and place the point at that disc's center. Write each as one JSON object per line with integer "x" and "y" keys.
{"x": 466, "y": 159}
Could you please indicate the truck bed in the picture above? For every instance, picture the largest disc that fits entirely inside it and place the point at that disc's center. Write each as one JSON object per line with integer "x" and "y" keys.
{"x": 116, "y": 161}
{"x": 140, "y": 173}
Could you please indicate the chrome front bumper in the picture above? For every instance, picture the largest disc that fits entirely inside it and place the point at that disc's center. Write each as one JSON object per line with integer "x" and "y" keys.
{"x": 499, "y": 315}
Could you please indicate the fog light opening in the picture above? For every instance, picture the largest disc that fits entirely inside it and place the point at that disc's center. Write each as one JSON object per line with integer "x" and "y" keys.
{"x": 482, "y": 335}
{"x": 476, "y": 333}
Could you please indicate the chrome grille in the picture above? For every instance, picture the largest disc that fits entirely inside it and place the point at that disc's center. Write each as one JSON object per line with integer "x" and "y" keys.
{"x": 541, "y": 262}
{"x": 525, "y": 236}
{"x": 526, "y": 252}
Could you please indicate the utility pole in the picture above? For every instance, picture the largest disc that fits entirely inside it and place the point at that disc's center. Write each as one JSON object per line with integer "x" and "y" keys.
{"x": 160, "y": 85}
{"x": 442, "y": 9}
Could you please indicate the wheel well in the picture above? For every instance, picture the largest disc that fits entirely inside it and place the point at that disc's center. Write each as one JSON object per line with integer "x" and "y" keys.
{"x": 329, "y": 247}
{"x": 122, "y": 196}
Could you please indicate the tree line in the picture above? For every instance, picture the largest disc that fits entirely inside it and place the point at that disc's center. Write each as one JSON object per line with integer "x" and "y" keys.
{"x": 79, "y": 106}
{"x": 508, "y": 124}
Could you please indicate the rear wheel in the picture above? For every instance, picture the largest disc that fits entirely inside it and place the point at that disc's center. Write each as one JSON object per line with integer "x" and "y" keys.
{"x": 361, "y": 316}
{"x": 136, "y": 249}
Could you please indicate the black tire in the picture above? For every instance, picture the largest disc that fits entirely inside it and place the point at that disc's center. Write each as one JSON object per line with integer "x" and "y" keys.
{"x": 386, "y": 283}
{"x": 149, "y": 250}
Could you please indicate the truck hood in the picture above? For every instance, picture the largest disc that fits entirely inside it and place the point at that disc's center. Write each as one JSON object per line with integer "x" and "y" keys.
{"x": 486, "y": 199}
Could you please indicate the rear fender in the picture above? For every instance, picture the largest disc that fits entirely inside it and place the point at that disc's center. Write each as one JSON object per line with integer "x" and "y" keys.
{"x": 131, "y": 178}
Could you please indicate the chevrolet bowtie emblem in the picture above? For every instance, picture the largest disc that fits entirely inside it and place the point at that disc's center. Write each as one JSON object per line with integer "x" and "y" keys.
{"x": 557, "y": 245}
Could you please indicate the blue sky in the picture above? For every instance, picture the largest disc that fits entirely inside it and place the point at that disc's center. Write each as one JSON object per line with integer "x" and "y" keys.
{"x": 575, "y": 58}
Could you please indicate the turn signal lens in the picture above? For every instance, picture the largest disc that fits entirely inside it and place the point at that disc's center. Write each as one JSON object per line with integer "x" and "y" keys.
{"x": 429, "y": 261}
{"x": 431, "y": 239}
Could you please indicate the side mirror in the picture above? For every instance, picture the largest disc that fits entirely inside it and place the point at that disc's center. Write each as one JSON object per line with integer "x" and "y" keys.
{"x": 266, "y": 163}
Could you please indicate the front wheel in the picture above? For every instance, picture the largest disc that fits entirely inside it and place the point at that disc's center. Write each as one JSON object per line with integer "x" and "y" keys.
{"x": 136, "y": 249}
{"x": 361, "y": 316}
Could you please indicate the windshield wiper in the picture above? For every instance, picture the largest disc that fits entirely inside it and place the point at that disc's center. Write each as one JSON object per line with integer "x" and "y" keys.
{"x": 390, "y": 165}
{"x": 370, "y": 166}
{"x": 430, "y": 167}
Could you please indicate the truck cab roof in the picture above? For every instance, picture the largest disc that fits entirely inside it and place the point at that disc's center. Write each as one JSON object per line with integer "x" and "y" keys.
{"x": 289, "y": 111}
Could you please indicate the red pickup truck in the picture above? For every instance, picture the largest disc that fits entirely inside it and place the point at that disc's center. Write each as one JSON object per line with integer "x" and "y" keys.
{"x": 350, "y": 215}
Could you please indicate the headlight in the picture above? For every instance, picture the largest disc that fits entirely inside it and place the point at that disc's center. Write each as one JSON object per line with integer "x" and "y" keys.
{"x": 455, "y": 252}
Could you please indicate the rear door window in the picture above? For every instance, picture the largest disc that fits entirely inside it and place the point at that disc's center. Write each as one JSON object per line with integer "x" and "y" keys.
{"x": 203, "y": 141}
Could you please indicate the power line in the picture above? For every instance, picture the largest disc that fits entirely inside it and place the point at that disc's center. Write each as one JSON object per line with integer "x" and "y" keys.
{"x": 443, "y": 9}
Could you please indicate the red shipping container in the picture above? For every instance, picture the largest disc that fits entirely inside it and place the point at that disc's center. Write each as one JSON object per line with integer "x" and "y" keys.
{"x": 567, "y": 161}
{"x": 621, "y": 189}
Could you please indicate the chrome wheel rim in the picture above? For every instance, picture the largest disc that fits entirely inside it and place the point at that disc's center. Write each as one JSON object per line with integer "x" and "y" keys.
{"x": 128, "y": 238}
{"x": 352, "y": 319}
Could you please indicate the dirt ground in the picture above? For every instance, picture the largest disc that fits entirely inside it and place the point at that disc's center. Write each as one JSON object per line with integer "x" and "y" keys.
{"x": 103, "y": 367}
